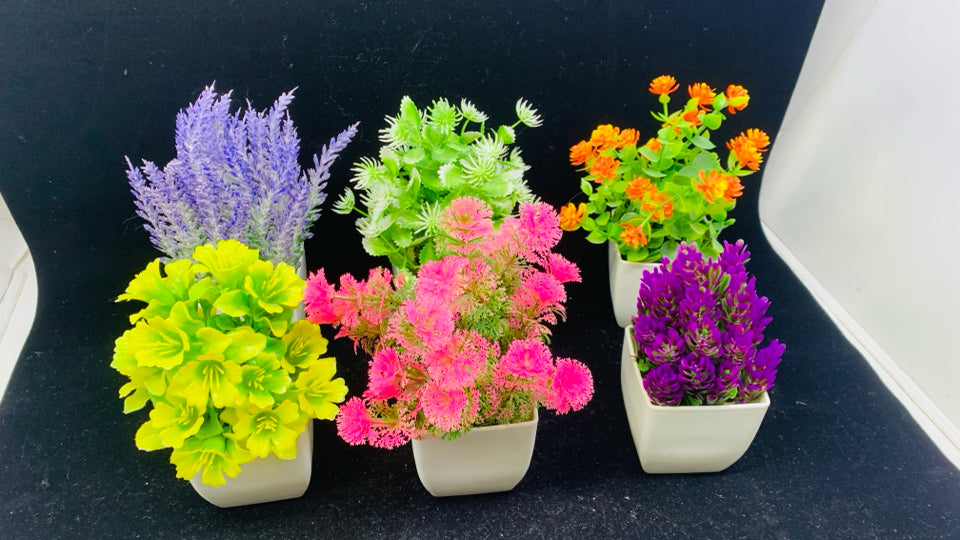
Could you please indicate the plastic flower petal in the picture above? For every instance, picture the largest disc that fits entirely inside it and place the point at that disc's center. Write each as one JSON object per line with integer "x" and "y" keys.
{"x": 571, "y": 215}
{"x": 737, "y": 98}
{"x": 271, "y": 430}
{"x": 444, "y": 407}
{"x": 572, "y": 385}
{"x": 214, "y": 456}
{"x": 354, "y": 421}
{"x": 304, "y": 344}
{"x": 320, "y": 391}
{"x": 664, "y": 84}
{"x": 702, "y": 93}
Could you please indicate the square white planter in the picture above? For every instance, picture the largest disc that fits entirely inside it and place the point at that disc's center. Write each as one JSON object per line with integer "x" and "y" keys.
{"x": 484, "y": 460}
{"x": 685, "y": 439}
{"x": 625, "y": 278}
{"x": 264, "y": 479}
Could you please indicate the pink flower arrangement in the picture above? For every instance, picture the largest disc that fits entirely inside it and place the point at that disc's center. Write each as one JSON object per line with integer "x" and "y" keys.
{"x": 462, "y": 344}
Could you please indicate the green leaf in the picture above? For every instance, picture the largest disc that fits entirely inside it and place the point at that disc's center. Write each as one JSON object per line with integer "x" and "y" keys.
{"x": 649, "y": 154}
{"x": 603, "y": 219}
{"x": 414, "y": 156}
{"x": 596, "y": 237}
{"x": 713, "y": 120}
{"x": 702, "y": 142}
{"x": 588, "y": 224}
{"x": 506, "y": 134}
{"x": 586, "y": 186}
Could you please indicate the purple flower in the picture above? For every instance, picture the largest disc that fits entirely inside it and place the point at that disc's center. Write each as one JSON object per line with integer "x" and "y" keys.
{"x": 666, "y": 348}
{"x": 696, "y": 372}
{"x": 759, "y": 373}
{"x": 233, "y": 177}
{"x": 712, "y": 306}
{"x": 663, "y": 385}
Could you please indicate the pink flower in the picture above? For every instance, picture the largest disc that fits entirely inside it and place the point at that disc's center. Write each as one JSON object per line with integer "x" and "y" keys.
{"x": 318, "y": 299}
{"x": 562, "y": 269}
{"x": 394, "y": 433}
{"x": 375, "y": 293}
{"x": 572, "y": 386}
{"x": 385, "y": 375}
{"x": 432, "y": 321}
{"x": 444, "y": 407}
{"x": 459, "y": 362}
{"x": 467, "y": 219}
{"x": 354, "y": 421}
{"x": 546, "y": 290}
{"x": 528, "y": 361}
{"x": 540, "y": 227}
{"x": 441, "y": 280}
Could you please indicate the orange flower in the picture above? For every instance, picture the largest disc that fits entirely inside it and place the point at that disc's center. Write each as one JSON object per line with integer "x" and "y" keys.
{"x": 581, "y": 152}
{"x": 737, "y": 98}
{"x": 663, "y": 85}
{"x": 702, "y": 93}
{"x": 759, "y": 138}
{"x": 604, "y": 136}
{"x": 627, "y": 137}
{"x": 632, "y": 235}
{"x": 716, "y": 186}
{"x": 734, "y": 189}
{"x": 637, "y": 188}
{"x": 604, "y": 168}
{"x": 571, "y": 216}
{"x": 657, "y": 204}
{"x": 692, "y": 116}
{"x": 746, "y": 151}
{"x": 653, "y": 144}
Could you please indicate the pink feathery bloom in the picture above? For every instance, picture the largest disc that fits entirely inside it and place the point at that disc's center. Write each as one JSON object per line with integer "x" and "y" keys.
{"x": 378, "y": 287}
{"x": 441, "y": 280}
{"x": 458, "y": 362}
{"x": 562, "y": 269}
{"x": 318, "y": 299}
{"x": 353, "y": 421}
{"x": 467, "y": 219}
{"x": 444, "y": 407}
{"x": 432, "y": 321}
{"x": 572, "y": 386}
{"x": 528, "y": 360}
{"x": 540, "y": 227}
{"x": 547, "y": 291}
{"x": 385, "y": 375}
{"x": 394, "y": 433}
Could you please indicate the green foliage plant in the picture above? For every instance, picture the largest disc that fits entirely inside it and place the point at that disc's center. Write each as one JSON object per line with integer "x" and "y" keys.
{"x": 428, "y": 158}
{"x": 229, "y": 374}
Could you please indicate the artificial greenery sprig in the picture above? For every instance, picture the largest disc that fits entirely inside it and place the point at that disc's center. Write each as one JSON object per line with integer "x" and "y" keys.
{"x": 429, "y": 158}
{"x": 230, "y": 377}
{"x": 649, "y": 197}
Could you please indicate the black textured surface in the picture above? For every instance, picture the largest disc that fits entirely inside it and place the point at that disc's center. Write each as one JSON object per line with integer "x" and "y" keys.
{"x": 84, "y": 83}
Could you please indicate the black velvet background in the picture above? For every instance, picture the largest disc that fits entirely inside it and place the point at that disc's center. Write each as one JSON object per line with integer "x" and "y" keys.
{"x": 84, "y": 83}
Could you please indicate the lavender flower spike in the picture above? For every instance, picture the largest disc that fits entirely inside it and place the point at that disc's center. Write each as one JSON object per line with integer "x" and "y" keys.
{"x": 234, "y": 177}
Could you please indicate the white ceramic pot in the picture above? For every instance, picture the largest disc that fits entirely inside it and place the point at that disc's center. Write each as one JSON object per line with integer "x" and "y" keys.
{"x": 685, "y": 439}
{"x": 265, "y": 479}
{"x": 625, "y": 277}
{"x": 485, "y": 460}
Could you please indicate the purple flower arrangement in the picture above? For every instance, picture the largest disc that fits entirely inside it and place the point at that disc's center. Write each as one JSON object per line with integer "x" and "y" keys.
{"x": 699, "y": 327}
{"x": 234, "y": 177}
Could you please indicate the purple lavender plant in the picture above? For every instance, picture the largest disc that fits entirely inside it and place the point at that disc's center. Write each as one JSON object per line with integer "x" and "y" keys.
{"x": 234, "y": 177}
{"x": 698, "y": 330}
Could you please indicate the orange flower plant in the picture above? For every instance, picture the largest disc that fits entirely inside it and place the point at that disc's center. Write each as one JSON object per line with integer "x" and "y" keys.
{"x": 648, "y": 198}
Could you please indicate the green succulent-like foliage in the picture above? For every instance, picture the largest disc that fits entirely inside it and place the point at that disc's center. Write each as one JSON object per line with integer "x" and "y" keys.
{"x": 428, "y": 158}
{"x": 229, "y": 375}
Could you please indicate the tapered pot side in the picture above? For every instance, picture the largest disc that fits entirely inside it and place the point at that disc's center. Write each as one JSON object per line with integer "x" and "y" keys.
{"x": 487, "y": 459}
{"x": 264, "y": 479}
{"x": 685, "y": 439}
{"x": 625, "y": 278}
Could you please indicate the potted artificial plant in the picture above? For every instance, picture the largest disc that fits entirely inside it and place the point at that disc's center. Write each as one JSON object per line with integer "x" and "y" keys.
{"x": 234, "y": 382}
{"x": 430, "y": 157}
{"x": 694, "y": 374}
{"x": 459, "y": 363}
{"x": 644, "y": 199}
